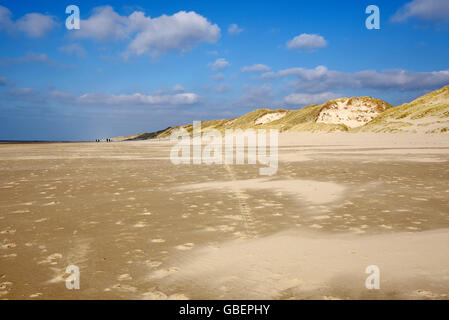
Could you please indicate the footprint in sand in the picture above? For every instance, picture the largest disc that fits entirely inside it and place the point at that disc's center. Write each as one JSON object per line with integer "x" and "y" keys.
{"x": 226, "y": 228}
{"x": 51, "y": 259}
{"x": 162, "y": 273}
{"x": 321, "y": 217}
{"x": 8, "y": 231}
{"x": 5, "y": 287}
{"x": 122, "y": 288}
{"x": 420, "y": 199}
{"x": 331, "y": 298}
{"x": 7, "y": 245}
{"x": 426, "y": 293}
{"x": 184, "y": 247}
{"x": 153, "y": 264}
{"x": 154, "y": 295}
{"x": 124, "y": 277}
{"x": 140, "y": 224}
{"x": 157, "y": 295}
{"x": 21, "y": 211}
{"x": 49, "y": 204}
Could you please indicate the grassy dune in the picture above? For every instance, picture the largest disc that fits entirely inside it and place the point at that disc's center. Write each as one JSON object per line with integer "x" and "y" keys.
{"x": 428, "y": 114}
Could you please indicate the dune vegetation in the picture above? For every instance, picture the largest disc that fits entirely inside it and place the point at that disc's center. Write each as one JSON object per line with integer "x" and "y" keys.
{"x": 428, "y": 114}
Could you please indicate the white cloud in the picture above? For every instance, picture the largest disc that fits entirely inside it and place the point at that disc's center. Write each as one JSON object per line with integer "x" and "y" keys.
{"x": 175, "y": 97}
{"x": 425, "y": 10}
{"x": 320, "y": 79}
{"x": 307, "y": 42}
{"x": 219, "y": 64}
{"x": 304, "y": 99}
{"x": 234, "y": 29}
{"x": 181, "y": 31}
{"x": 74, "y": 49}
{"x": 104, "y": 24}
{"x": 307, "y": 74}
{"x": 178, "y": 88}
{"x": 154, "y": 36}
{"x": 6, "y": 22}
{"x": 139, "y": 99}
{"x": 256, "y": 68}
{"x": 34, "y": 25}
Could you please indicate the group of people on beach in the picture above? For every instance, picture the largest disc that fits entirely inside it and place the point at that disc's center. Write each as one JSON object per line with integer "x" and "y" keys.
{"x": 104, "y": 140}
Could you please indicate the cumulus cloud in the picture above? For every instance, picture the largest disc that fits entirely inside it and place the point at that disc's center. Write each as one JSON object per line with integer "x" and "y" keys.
{"x": 307, "y": 42}
{"x": 104, "y": 24}
{"x": 256, "y": 68}
{"x": 304, "y": 99}
{"x": 234, "y": 29}
{"x": 6, "y": 22}
{"x": 34, "y": 25}
{"x": 425, "y": 10}
{"x": 181, "y": 31}
{"x": 74, "y": 49}
{"x": 154, "y": 36}
{"x": 320, "y": 79}
{"x": 219, "y": 64}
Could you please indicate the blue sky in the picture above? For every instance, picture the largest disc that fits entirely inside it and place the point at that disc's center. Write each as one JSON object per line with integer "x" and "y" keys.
{"x": 145, "y": 65}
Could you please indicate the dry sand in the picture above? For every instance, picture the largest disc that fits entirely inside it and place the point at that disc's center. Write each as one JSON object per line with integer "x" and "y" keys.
{"x": 139, "y": 227}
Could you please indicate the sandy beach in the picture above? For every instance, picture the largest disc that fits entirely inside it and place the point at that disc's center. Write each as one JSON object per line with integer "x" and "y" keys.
{"x": 140, "y": 227}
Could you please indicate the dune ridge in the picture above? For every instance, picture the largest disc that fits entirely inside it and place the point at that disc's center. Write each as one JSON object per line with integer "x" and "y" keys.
{"x": 426, "y": 114}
